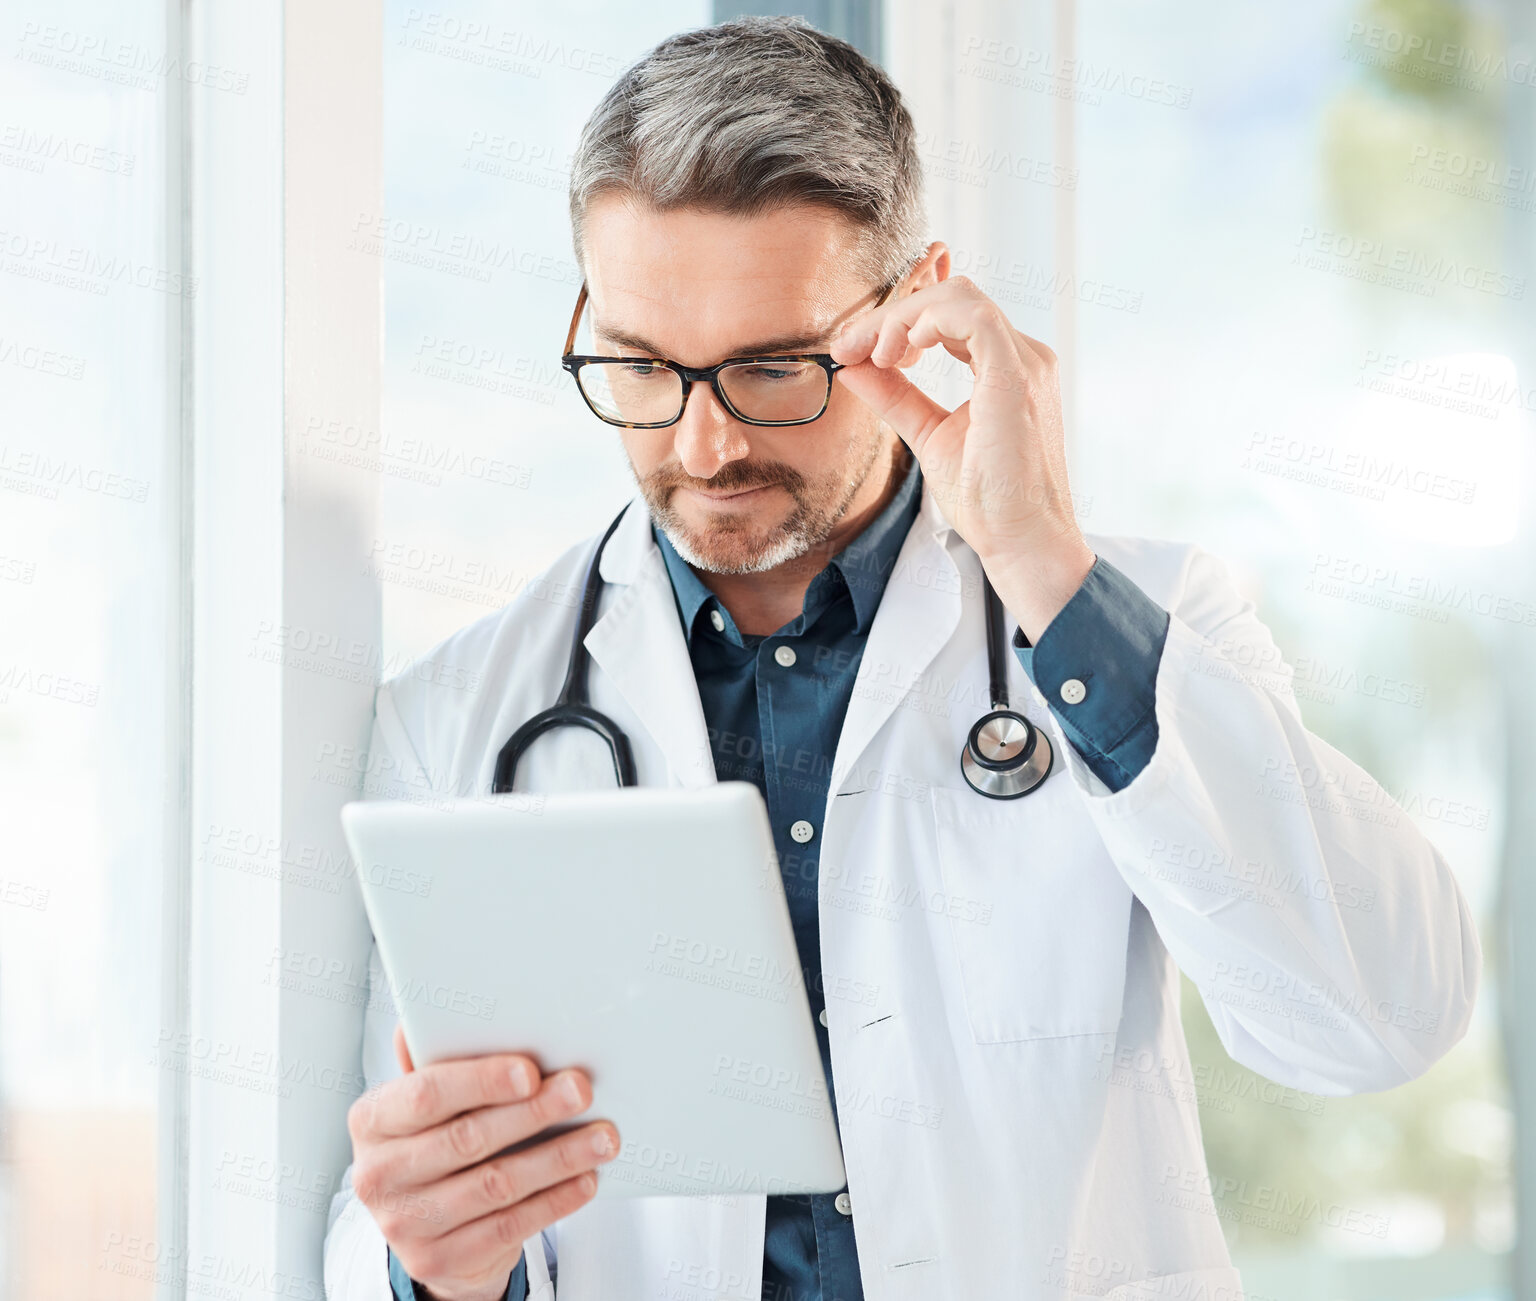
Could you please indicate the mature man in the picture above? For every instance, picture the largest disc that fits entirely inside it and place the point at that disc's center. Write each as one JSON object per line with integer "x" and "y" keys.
{"x": 799, "y": 604}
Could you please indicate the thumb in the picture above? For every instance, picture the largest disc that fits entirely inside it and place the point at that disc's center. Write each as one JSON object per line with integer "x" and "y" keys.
{"x": 896, "y": 400}
{"x": 402, "y": 1053}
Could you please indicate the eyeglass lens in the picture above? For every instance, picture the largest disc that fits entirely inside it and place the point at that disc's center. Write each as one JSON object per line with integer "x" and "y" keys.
{"x": 641, "y": 393}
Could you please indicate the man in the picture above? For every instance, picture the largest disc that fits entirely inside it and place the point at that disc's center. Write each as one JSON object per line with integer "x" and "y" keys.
{"x": 800, "y": 605}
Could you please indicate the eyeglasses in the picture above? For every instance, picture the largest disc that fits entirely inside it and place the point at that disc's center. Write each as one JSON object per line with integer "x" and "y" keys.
{"x": 651, "y": 392}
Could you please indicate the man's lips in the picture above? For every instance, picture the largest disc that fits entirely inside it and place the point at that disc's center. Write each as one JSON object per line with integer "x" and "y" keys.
{"x": 741, "y": 495}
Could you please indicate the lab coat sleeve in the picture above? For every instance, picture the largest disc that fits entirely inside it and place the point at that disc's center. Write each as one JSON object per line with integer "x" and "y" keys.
{"x": 357, "y": 1264}
{"x": 1325, "y": 933}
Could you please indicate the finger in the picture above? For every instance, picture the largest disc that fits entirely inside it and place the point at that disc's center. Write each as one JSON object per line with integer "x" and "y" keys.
{"x": 481, "y": 1246}
{"x": 427, "y": 1097}
{"x": 956, "y": 314}
{"x": 855, "y": 339}
{"x": 897, "y": 401}
{"x": 470, "y": 1138}
{"x": 402, "y": 1053}
{"x": 978, "y": 333}
{"x": 1043, "y": 354}
{"x": 506, "y": 1180}
{"x": 890, "y": 345}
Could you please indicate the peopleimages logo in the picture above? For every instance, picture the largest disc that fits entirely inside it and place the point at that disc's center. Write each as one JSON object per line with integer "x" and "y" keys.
{"x": 72, "y": 266}
{"x": 93, "y": 54}
{"x": 1425, "y": 57}
{"x": 1322, "y": 249}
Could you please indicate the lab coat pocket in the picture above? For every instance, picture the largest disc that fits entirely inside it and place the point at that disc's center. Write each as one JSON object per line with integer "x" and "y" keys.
{"x": 1039, "y": 915}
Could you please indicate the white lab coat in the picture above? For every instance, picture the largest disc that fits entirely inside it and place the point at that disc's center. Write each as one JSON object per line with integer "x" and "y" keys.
{"x": 1015, "y": 1097}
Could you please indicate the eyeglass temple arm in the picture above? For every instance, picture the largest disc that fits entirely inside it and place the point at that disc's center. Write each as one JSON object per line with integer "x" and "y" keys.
{"x": 570, "y": 336}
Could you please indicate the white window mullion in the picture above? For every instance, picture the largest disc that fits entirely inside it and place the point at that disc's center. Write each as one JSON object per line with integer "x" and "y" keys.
{"x": 1010, "y": 229}
{"x": 286, "y": 623}
{"x": 173, "y": 1130}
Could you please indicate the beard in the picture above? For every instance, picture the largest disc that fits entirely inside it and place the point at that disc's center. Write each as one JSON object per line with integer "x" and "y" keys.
{"x": 740, "y": 542}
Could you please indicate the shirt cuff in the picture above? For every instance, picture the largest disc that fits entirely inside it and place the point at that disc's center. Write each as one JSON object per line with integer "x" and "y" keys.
{"x": 1104, "y": 645}
{"x": 404, "y": 1287}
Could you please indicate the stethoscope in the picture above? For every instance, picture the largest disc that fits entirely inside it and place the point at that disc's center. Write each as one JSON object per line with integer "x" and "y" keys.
{"x": 1005, "y": 755}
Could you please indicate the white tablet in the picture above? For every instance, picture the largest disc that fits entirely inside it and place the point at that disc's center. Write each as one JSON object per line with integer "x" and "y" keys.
{"x": 641, "y": 934}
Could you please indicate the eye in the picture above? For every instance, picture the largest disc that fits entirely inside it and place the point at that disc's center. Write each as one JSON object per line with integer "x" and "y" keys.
{"x": 641, "y": 369}
{"x": 769, "y": 374}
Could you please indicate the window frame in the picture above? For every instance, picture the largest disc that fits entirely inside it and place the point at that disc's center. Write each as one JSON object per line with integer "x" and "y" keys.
{"x": 283, "y": 331}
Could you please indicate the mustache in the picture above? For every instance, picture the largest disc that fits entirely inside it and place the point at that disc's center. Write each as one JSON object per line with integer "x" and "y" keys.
{"x": 736, "y": 476}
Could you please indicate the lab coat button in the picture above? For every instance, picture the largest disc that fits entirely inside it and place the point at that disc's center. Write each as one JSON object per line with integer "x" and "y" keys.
{"x": 1073, "y": 691}
{"x": 844, "y": 1204}
{"x": 785, "y": 656}
{"x": 801, "y": 832}
{"x": 822, "y": 1016}
{"x": 717, "y": 620}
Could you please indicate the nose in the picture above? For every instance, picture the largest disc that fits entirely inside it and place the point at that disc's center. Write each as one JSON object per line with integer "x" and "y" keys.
{"x": 707, "y": 436}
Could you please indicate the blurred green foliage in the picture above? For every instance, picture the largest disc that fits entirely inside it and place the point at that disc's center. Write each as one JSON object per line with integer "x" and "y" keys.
{"x": 1444, "y": 1139}
{"x": 1379, "y": 136}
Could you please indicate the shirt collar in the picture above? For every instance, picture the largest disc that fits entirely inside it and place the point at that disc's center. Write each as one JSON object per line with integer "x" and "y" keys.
{"x": 867, "y": 561}
{"x": 863, "y": 565}
{"x": 687, "y": 586}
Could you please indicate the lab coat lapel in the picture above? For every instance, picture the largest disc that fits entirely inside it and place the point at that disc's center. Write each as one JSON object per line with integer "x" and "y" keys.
{"x": 638, "y": 644}
{"x": 638, "y": 641}
{"x": 626, "y": 1249}
{"x": 919, "y": 612}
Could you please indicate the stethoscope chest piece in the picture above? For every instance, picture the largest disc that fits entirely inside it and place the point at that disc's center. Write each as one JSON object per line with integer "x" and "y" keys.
{"x": 1005, "y": 755}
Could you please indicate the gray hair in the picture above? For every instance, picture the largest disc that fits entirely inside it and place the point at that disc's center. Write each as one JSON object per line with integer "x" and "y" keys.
{"x": 754, "y": 114}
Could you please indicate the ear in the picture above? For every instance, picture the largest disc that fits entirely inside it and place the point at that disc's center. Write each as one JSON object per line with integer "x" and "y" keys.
{"x": 933, "y": 268}
{"x": 402, "y": 1053}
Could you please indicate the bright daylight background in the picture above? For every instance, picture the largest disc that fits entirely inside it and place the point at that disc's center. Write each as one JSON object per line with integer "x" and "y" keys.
{"x": 1249, "y": 230}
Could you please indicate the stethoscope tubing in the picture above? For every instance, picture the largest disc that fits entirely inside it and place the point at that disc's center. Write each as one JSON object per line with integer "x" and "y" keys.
{"x": 996, "y": 778}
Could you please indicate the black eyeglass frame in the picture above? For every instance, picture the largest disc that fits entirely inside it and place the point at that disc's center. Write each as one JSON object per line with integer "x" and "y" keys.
{"x": 573, "y": 363}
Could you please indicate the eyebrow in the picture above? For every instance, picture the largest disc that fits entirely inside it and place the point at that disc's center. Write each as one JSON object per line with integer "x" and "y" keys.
{"x": 762, "y": 348}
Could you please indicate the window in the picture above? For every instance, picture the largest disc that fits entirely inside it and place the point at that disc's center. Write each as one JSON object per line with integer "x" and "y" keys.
{"x": 92, "y": 884}
{"x": 490, "y": 464}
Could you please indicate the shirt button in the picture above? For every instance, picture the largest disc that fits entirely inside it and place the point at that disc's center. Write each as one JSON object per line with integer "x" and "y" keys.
{"x": 822, "y": 1016}
{"x": 801, "y": 832}
{"x": 717, "y": 620}
{"x": 1073, "y": 691}
{"x": 844, "y": 1204}
{"x": 785, "y": 656}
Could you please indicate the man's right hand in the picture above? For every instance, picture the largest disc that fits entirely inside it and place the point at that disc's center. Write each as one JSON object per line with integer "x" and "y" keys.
{"x": 423, "y": 1148}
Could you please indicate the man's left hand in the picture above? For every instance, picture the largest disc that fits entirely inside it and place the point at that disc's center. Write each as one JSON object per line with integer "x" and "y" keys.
{"x": 997, "y": 462}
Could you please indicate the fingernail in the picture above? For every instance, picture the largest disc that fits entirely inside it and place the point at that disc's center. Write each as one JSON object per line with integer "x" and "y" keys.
{"x": 522, "y": 1080}
{"x": 570, "y": 1091}
{"x": 602, "y": 1142}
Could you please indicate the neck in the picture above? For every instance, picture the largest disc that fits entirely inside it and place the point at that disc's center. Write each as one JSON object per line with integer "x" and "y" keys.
{"x": 763, "y": 603}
